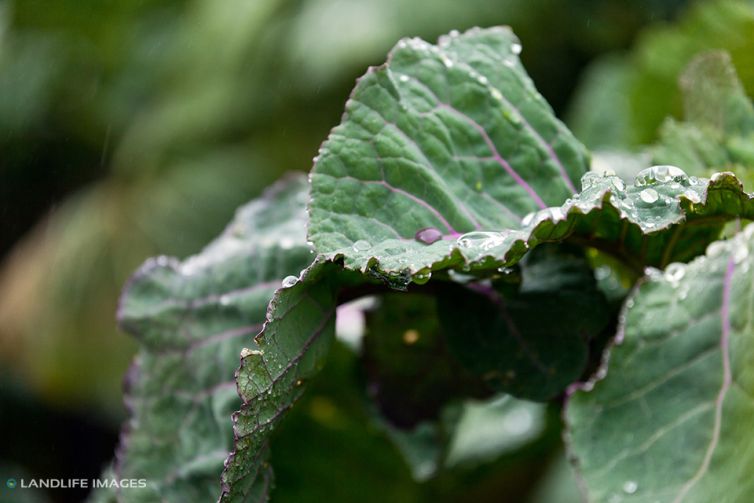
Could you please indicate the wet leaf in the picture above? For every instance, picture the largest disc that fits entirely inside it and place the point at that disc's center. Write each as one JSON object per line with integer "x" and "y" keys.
{"x": 671, "y": 419}
{"x": 451, "y": 137}
{"x": 192, "y": 319}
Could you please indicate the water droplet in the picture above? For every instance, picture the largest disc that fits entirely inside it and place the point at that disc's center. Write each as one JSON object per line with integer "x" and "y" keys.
{"x": 675, "y": 272}
{"x": 716, "y": 248}
{"x": 516, "y": 48}
{"x": 289, "y": 281}
{"x": 483, "y": 80}
{"x": 403, "y": 78}
{"x": 447, "y": 62}
{"x": 496, "y": 94}
{"x": 361, "y": 245}
{"x": 618, "y": 184}
{"x": 454, "y": 33}
{"x": 428, "y": 235}
{"x": 649, "y": 196}
{"x": 661, "y": 174}
{"x": 421, "y": 277}
{"x": 480, "y": 239}
{"x": 589, "y": 179}
{"x": 740, "y": 252}
{"x": 630, "y": 487}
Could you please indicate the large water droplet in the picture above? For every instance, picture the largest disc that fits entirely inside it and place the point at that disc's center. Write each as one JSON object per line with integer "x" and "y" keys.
{"x": 649, "y": 196}
{"x": 480, "y": 239}
{"x": 589, "y": 179}
{"x": 289, "y": 281}
{"x": 516, "y": 48}
{"x": 428, "y": 235}
{"x": 661, "y": 174}
{"x": 361, "y": 245}
{"x": 630, "y": 487}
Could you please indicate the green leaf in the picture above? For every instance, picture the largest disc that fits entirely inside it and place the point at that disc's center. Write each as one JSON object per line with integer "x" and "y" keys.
{"x": 719, "y": 120}
{"x": 298, "y": 331}
{"x": 192, "y": 319}
{"x": 714, "y": 96}
{"x": 485, "y": 430}
{"x": 640, "y": 224}
{"x": 670, "y": 420}
{"x": 530, "y": 340}
{"x": 662, "y": 54}
{"x": 450, "y": 138}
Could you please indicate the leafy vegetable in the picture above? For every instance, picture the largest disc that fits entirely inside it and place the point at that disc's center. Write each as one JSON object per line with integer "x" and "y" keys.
{"x": 451, "y": 179}
{"x": 192, "y": 319}
{"x": 439, "y": 141}
{"x": 668, "y": 421}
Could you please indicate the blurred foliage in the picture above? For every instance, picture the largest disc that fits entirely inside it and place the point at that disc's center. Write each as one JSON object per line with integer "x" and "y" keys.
{"x": 623, "y": 99}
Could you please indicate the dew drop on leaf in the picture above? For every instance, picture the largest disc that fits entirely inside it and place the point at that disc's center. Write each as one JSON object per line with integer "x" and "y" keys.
{"x": 481, "y": 239}
{"x": 716, "y": 248}
{"x": 516, "y": 48}
{"x": 649, "y": 196}
{"x": 289, "y": 281}
{"x": 661, "y": 174}
{"x": 630, "y": 487}
{"x": 361, "y": 245}
{"x": 675, "y": 272}
{"x": 421, "y": 278}
{"x": 428, "y": 235}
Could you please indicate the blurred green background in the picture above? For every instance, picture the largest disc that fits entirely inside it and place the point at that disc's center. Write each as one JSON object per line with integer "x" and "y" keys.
{"x": 135, "y": 128}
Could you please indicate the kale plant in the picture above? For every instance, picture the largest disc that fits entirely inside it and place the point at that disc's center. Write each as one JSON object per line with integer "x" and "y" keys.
{"x": 452, "y": 194}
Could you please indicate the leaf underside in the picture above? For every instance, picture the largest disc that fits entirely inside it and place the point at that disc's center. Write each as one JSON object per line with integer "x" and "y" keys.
{"x": 192, "y": 319}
